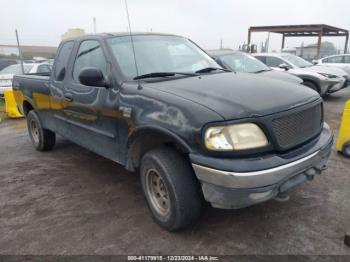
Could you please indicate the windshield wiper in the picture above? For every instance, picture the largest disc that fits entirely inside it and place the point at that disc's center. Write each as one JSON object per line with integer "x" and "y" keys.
{"x": 262, "y": 70}
{"x": 210, "y": 69}
{"x": 162, "y": 74}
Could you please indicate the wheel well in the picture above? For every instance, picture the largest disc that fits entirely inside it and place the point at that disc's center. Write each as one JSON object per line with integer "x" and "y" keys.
{"x": 27, "y": 107}
{"x": 148, "y": 141}
{"x": 313, "y": 82}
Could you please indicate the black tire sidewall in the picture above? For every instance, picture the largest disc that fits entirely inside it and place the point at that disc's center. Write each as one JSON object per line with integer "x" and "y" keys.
{"x": 32, "y": 116}
{"x": 346, "y": 149}
{"x": 169, "y": 220}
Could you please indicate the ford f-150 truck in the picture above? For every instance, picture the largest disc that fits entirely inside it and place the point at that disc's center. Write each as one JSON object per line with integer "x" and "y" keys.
{"x": 159, "y": 104}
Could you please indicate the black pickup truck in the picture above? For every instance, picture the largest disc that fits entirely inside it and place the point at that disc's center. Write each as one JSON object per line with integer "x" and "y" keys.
{"x": 159, "y": 104}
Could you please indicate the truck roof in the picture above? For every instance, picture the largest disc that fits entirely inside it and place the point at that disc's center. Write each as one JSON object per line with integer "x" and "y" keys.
{"x": 107, "y": 35}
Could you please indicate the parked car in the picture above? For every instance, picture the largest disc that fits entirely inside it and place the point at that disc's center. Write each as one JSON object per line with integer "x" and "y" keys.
{"x": 341, "y": 61}
{"x": 6, "y": 74}
{"x": 6, "y": 62}
{"x": 244, "y": 63}
{"x": 325, "y": 80}
{"x": 193, "y": 130}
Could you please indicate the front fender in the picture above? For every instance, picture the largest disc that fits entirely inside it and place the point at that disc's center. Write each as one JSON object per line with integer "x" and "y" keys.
{"x": 148, "y": 137}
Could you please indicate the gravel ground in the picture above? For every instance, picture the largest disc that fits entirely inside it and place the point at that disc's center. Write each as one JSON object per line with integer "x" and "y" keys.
{"x": 72, "y": 201}
{"x": 2, "y": 109}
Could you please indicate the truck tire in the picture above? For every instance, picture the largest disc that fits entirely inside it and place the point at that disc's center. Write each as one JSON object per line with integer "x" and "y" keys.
{"x": 346, "y": 150}
{"x": 171, "y": 189}
{"x": 42, "y": 139}
{"x": 312, "y": 85}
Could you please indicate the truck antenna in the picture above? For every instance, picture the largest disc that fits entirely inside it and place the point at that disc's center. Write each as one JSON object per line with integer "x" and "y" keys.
{"x": 131, "y": 39}
{"x": 19, "y": 51}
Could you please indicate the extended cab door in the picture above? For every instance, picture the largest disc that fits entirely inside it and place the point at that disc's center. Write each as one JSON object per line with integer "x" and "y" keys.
{"x": 92, "y": 111}
{"x": 58, "y": 103}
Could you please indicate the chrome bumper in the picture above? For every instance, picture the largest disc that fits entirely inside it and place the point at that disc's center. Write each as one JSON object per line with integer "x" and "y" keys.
{"x": 261, "y": 178}
{"x": 310, "y": 165}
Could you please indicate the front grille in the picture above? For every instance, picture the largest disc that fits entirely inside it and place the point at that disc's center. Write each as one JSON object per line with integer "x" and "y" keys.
{"x": 296, "y": 128}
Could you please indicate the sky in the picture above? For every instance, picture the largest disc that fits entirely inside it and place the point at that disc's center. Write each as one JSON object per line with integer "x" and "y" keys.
{"x": 206, "y": 22}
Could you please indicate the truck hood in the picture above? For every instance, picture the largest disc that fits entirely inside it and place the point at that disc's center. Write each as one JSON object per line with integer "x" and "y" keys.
{"x": 281, "y": 76}
{"x": 238, "y": 95}
{"x": 327, "y": 70}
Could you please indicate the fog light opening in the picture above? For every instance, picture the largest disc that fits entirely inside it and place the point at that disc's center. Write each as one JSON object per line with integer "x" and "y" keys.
{"x": 258, "y": 196}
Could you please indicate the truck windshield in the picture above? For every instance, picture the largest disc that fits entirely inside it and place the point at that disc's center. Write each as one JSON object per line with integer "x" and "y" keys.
{"x": 240, "y": 62}
{"x": 296, "y": 60}
{"x": 157, "y": 53}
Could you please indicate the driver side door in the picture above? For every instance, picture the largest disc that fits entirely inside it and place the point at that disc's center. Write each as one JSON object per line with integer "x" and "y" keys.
{"x": 93, "y": 111}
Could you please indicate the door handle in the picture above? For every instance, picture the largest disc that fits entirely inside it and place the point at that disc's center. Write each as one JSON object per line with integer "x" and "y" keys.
{"x": 68, "y": 97}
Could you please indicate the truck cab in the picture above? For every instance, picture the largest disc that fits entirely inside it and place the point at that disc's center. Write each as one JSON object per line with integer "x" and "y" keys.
{"x": 159, "y": 105}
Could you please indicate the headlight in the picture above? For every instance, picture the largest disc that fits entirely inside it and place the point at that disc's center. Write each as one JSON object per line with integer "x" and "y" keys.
{"x": 235, "y": 137}
{"x": 328, "y": 75}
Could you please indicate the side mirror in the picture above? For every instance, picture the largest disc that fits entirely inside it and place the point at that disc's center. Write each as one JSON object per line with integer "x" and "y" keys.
{"x": 91, "y": 76}
{"x": 284, "y": 66}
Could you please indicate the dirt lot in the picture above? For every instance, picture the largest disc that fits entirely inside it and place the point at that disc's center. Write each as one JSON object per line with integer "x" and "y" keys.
{"x": 2, "y": 109}
{"x": 72, "y": 201}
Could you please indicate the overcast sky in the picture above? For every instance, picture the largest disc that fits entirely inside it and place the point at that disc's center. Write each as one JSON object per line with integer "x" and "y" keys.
{"x": 42, "y": 22}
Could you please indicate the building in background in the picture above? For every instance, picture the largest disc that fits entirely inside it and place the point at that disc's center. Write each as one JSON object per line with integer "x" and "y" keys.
{"x": 73, "y": 32}
{"x": 309, "y": 52}
{"x": 28, "y": 51}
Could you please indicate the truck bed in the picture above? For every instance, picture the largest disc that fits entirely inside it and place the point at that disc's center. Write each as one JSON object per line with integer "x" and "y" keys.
{"x": 30, "y": 83}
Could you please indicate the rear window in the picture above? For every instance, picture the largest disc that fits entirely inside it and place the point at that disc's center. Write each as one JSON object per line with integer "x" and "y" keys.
{"x": 261, "y": 58}
{"x": 62, "y": 60}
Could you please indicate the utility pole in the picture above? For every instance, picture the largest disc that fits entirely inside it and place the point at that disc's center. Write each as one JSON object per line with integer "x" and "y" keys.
{"x": 220, "y": 44}
{"x": 19, "y": 51}
{"x": 94, "y": 22}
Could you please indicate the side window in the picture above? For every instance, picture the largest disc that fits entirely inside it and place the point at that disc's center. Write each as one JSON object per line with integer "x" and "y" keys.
{"x": 274, "y": 61}
{"x": 347, "y": 59}
{"x": 325, "y": 60}
{"x": 61, "y": 60}
{"x": 90, "y": 54}
{"x": 43, "y": 69}
{"x": 335, "y": 59}
{"x": 261, "y": 58}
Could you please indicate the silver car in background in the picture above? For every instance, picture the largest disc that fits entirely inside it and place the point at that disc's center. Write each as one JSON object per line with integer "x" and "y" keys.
{"x": 6, "y": 74}
{"x": 324, "y": 79}
{"x": 245, "y": 63}
{"x": 340, "y": 61}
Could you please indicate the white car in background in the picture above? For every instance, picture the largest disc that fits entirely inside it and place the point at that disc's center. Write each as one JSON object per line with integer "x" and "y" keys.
{"x": 341, "y": 61}
{"x": 6, "y": 74}
{"x": 323, "y": 79}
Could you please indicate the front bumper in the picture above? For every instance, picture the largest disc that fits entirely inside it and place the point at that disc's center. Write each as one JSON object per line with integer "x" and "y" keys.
{"x": 334, "y": 85}
{"x": 347, "y": 82}
{"x": 232, "y": 189}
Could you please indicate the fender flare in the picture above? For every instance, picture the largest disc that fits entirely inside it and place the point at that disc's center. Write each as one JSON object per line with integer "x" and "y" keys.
{"x": 149, "y": 130}
{"x": 29, "y": 101}
{"x": 311, "y": 79}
